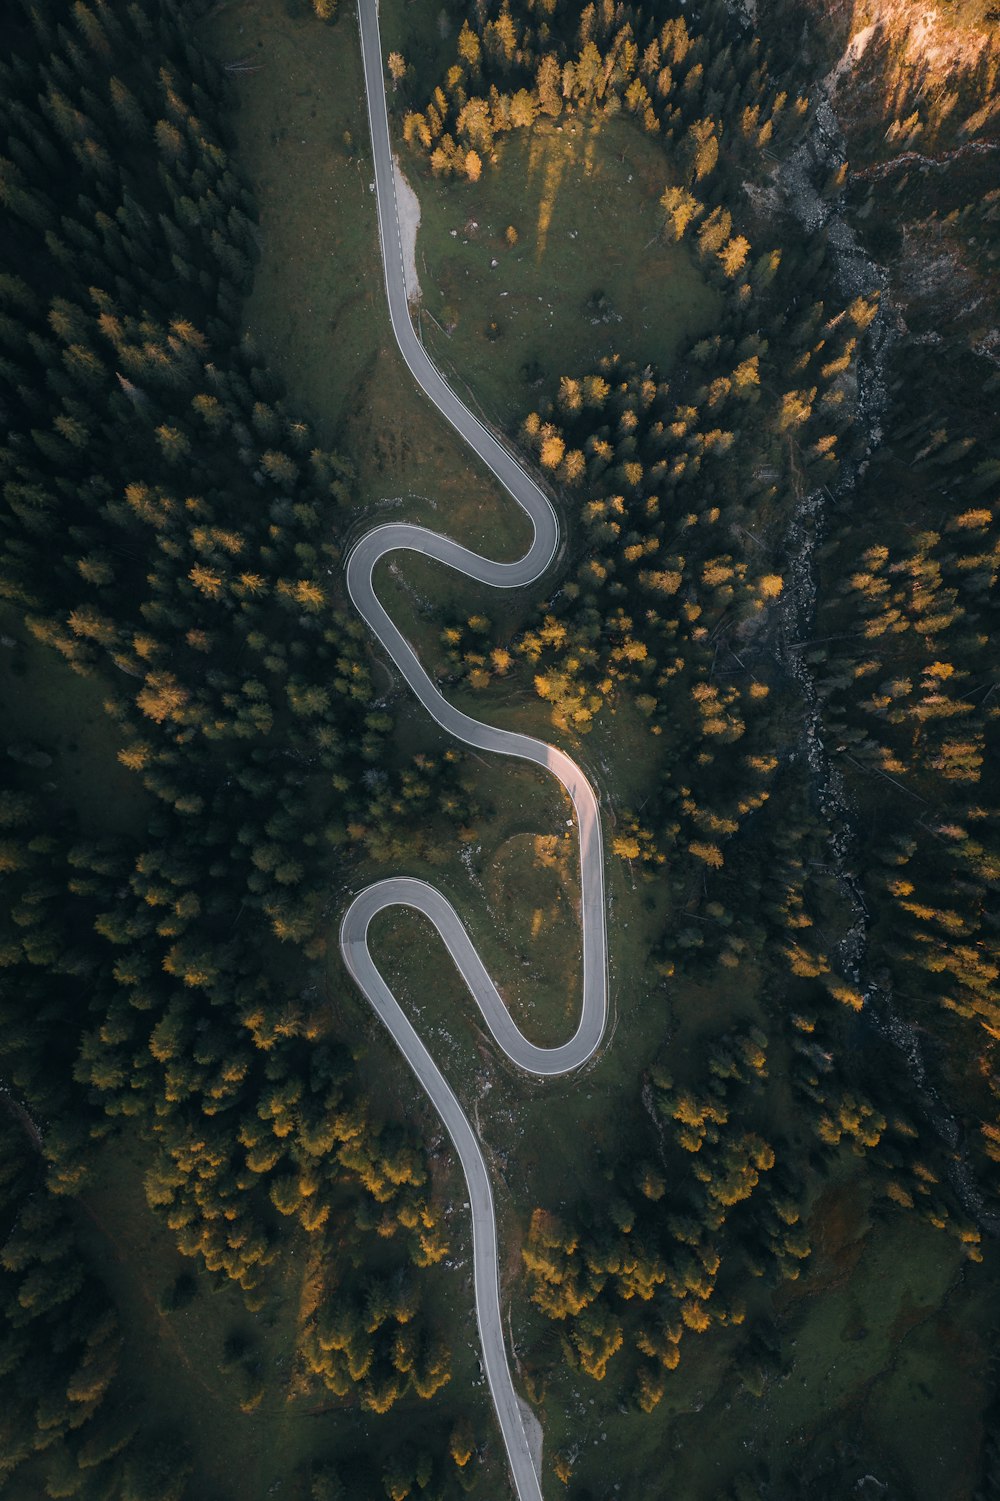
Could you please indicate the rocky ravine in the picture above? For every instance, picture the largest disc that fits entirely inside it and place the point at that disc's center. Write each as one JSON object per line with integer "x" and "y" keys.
{"x": 821, "y": 154}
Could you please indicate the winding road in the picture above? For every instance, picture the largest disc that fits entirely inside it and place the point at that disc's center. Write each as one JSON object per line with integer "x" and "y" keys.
{"x": 407, "y": 892}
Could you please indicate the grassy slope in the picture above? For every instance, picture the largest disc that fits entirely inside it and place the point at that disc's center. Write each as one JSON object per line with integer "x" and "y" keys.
{"x": 584, "y": 199}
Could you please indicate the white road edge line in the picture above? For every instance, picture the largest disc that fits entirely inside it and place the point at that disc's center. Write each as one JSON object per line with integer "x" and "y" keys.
{"x": 408, "y": 892}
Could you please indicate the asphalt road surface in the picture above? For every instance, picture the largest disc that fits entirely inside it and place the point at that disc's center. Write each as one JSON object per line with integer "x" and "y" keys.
{"x": 406, "y": 892}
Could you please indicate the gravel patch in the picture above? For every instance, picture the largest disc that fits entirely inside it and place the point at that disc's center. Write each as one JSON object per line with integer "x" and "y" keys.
{"x": 408, "y": 212}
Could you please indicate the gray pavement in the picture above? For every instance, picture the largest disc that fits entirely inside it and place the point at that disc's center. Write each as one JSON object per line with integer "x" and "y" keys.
{"x": 404, "y": 891}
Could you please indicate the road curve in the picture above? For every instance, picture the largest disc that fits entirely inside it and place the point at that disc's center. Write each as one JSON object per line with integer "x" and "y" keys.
{"x": 407, "y": 892}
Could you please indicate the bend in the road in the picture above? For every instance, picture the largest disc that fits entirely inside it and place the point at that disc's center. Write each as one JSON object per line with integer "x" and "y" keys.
{"x": 401, "y": 891}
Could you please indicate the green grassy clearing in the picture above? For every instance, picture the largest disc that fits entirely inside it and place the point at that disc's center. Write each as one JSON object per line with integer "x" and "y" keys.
{"x": 583, "y": 197}
{"x": 426, "y": 594}
{"x": 535, "y": 967}
{"x": 589, "y": 275}
{"x": 517, "y": 896}
{"x": 47, "y": 706}
{"x": 536, "y": 1127}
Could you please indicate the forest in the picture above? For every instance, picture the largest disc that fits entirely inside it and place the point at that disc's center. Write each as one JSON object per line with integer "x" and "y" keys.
{"x": 781, "y": 571}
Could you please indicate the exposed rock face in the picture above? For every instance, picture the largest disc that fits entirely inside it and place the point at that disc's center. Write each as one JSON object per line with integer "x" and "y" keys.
{"x": 915, "y": 89}
{"x": 886, "y": 58}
